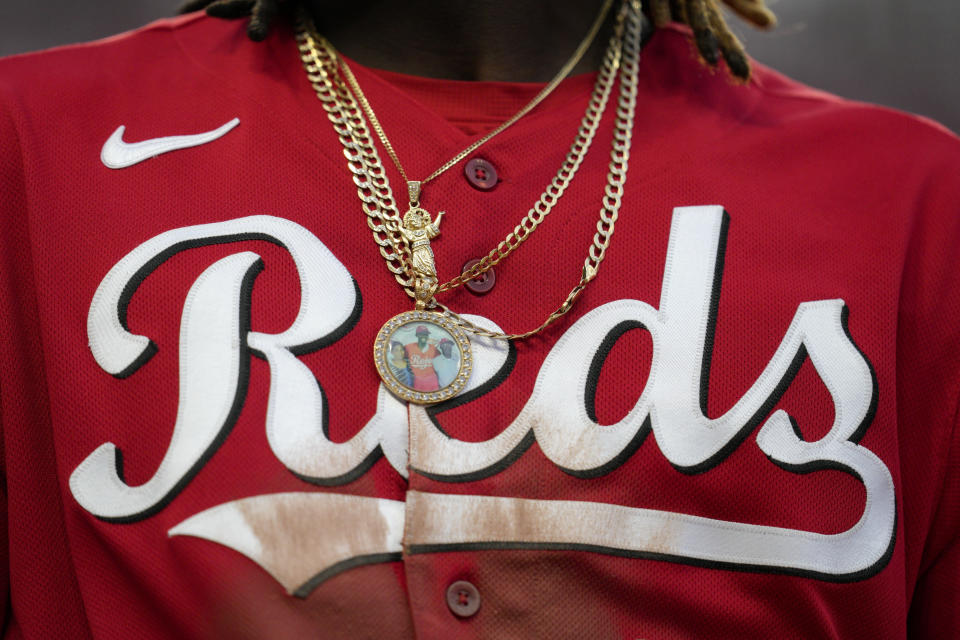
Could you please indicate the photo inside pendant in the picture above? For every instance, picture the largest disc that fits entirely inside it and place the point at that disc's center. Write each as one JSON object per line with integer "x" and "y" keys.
{"x": 422, "y": 356}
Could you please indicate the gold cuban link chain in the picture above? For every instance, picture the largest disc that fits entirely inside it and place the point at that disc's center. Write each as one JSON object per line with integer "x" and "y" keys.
{"x": 322, "y": 62}
{"x": 373, "y": 189}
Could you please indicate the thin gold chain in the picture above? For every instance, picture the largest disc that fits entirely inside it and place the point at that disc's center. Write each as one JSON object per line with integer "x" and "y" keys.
{"x": 613, "y": 192}
{"x": 537, "y": 99}
{"x": 376, "y": 196}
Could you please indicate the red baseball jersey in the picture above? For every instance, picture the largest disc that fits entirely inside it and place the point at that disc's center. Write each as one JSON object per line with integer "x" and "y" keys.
{"x": 421, "y": 365}
{"x": 745, "y": 428}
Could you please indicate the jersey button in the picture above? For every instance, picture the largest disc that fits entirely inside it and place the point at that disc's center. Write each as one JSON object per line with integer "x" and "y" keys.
{"x": 482, "y": 283}
{"x": 463, "y": 598}
{"x": 481, "y": 174}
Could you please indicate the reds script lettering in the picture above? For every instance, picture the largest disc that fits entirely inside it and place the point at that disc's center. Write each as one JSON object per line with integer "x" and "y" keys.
{"x": 215, "y": 347}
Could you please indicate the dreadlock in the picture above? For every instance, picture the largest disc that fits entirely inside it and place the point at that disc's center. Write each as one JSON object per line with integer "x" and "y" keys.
{"x": 261, "y": 12}
{"x": 711, "y": 33}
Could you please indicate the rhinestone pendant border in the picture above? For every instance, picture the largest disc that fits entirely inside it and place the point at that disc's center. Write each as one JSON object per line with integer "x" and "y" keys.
{"x": 443, "y": 323}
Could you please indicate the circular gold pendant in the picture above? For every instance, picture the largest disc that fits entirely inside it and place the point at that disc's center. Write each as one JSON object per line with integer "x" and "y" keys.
{"x": 423, "y": 356}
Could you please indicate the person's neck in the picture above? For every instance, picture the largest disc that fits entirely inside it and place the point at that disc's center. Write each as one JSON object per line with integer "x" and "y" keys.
{"x": 502, "y": 40}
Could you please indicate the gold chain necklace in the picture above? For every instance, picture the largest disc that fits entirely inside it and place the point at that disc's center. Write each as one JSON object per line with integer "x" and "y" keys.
{"x": 418, "y": 228}
{"x": 530, "y": 106}
{"x": 412, "y": 362}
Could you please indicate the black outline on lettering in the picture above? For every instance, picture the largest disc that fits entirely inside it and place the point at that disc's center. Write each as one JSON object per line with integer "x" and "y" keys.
{"x": 590, "y": 398}
{"x": 500, "y": 465}
{"x": 796, "y": 429}
{"x": 239, "y": 399}
{"x": 871, "y": 412}
{"x": 791, "y": 372}
{"x": 868, "y": 417}
{"x": 762, "y": 412}
{"x": 362, "y": 467}
{"x": 316, "y": 345}
{"x": 495, "y": 381}
{"x": 615, "y": 462}
{"x": 819, "y": 465}
{"x": 340, "y": 331}
{"x": 856, "y": 576}
{"x": 600, "y": 358}
{"x": 151, "y": 265}
{"x": 330, "y": 338}
{"x": 307, "y": 587}
{"x": 831, "y": 465}
{"x": 133, "y": 284}
{"x": 469, "y": 396}
{"x": 713, "y": 312}
{"x": 771, "y": 401}
{"x": 131, "y": 287}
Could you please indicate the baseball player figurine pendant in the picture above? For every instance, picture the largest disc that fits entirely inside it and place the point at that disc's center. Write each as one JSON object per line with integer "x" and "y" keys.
{"x": 422, "y": 356}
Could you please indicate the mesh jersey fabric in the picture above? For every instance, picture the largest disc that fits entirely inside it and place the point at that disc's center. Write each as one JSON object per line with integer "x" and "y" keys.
{"x": 828, "y": 206}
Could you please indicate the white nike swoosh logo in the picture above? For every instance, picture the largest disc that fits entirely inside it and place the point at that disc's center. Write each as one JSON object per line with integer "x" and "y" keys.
{"x": 117, "y": 154}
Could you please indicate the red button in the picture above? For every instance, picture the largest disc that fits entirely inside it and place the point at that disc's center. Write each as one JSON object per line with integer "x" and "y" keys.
{"x": 463, "y": 599}
{"x": 482, "y": 283}
{"x": 481, "y": 174}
